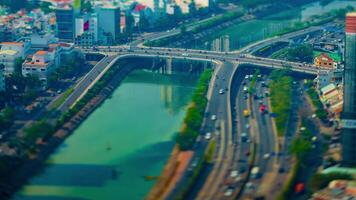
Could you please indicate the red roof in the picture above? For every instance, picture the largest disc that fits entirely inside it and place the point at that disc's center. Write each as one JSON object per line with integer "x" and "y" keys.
{"x": 324, "y": 56}
{"x": 139, "y": 7}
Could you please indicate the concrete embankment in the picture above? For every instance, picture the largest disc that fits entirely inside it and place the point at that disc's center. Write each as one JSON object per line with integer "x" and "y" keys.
{"x": 30, "y": 167}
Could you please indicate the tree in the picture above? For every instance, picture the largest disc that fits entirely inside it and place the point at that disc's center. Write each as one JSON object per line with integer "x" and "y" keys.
{"x": 192, "y": 8}
{"x": 129, "y": 21}
{"x": 320, "y": 181}
{"x": 37, "y": 130}
{"x": 86, "y": 6}
{"x": 302, "y": 53}
{"x": 143, "y": 22}
{"x": 183, "y": 29}
{"x": 18, "y": 66}
{"x": 15, "y": 5}
{"x": 45, "y": 7}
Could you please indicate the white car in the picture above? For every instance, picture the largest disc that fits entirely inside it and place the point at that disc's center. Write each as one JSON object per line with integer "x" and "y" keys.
{"x": 247, "y": 76}
{"x": 228, "y": 192}
{"x": 234, "y": 173}
{"x": 213, "y": 117}
{"x": 208, "y": 136}
{"x": 247, "y": 126}
{"x": 238, "y": 178}
{"x": 266, "y": 156}
{"x": 221, "y": 91}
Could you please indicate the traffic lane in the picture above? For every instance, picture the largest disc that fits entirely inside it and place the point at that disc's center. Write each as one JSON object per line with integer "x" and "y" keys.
{"x": 208, "y": 126}
{"x": 85, "y": 82}
{"x": 271, "y": 134}
{"x": 211, "y": 188}
{"x": 265, "y": 136}
{"x": 244, "y": 146}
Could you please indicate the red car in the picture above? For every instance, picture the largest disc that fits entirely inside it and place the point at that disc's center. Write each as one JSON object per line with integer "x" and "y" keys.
{"x": 262, "y": 108}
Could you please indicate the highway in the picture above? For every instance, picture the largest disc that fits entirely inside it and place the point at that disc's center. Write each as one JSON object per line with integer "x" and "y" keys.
{"x": 232, "y": 153}
{"x": 222, "y": 109}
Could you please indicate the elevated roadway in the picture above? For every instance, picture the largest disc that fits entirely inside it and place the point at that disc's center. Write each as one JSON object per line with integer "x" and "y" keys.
{"x": 219, "y": 105}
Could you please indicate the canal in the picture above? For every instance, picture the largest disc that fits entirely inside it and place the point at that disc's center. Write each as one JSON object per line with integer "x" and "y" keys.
{"x": 125, "y": 140}
{"x": 130, "y": 136}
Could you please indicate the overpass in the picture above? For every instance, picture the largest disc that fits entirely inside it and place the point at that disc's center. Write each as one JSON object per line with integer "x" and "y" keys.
{"x": 226, "y": 64}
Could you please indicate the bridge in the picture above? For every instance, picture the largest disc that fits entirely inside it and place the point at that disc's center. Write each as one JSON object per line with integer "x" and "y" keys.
{"x": 226, "y": 65}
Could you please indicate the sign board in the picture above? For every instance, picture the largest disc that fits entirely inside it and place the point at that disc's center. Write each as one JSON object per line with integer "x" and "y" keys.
{"x": 348, "y": 123}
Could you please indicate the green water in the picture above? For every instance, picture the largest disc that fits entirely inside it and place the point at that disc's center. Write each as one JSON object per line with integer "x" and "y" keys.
{"x": 245, "y": 33}
{"x": 127, "y": 138}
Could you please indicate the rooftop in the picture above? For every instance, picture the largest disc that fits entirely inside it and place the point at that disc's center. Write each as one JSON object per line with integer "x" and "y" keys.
{"x": 12, "y": 43}
{"x": 351, "y": 14}
{"x": 41, "y": 52}
{"x": 8, "y": 52}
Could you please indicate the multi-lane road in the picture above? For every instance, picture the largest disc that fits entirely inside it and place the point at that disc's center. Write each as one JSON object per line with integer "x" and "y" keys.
{"x": 233, "y": 155}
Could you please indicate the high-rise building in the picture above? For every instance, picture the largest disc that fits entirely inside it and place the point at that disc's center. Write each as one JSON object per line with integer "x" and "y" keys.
{"x": 348, "y": 117}
{"x": 109, "y": 22}
{"x": 2, "y": 78}
{"x": 65, "y": 24}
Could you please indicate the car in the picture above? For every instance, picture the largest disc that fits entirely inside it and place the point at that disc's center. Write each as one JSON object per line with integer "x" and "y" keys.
{"x": 59, "y": 91}
{"x": 260, "y": 102}
{"x": 234, "y": 173}
{"x": 281, "y": 170}
{"x": 208, "y": 136}
{"x": 250, "y": 186}
{"x": 247, "y": 77}
{"x": 246, "y": 113}
{"x": 247, "y": 153}
{"x": 245, "y": 89}
{"x": 228, "y": 192}
{"x": 238, "y": 178}
{"x": 247, "y": 125}
{"x": 244, "y": 137}
{"x": 213, "y": 117}
{"x": 245, "y": 97}
{"x": 221, "y": 91}
{"x": 266, "y": 156}
{"x": 263, "y": 84}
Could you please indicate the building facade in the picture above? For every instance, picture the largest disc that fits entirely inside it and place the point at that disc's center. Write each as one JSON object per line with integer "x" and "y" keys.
{"x": 325, "y": 61}
{"x": 40, "y": 65}
{"x": 86, "y": 30}
{"x": 65, "y": 24}
{"x": 2, "y": 78}
{"x": 109, "y": 22}
{"x": 348, "y": 116}
{"x": 10, "y": 52}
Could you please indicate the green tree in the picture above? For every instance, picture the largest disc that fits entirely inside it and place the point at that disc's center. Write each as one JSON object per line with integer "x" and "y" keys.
{"x": 46, "y": 7}
{"x": 37, "y": 130}
{"x": 129, "y": 23}
{"x": 18, "y": 66}
{"x": 302, "y": 53}
{"x": 143, "y": 22}
{"x": 86, "y": 6}
{"x": 320, "y": 181}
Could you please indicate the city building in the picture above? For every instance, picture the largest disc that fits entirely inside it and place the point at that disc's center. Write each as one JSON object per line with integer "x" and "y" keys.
{"x": 42, "y": 40}
{"x": 348, "y": 117}
{"x": 109, "y": 23}
{"x": 325, "y": 61}
{"x": 2, "y": 78}
{"x": 337, "y": 189}
{"x": 331, "y": 96}
{"x": 65, "y": 23}
{"x": 10, "y": 52}
{"x": 40, "y": 65}
{"x": 86, "y": 30}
